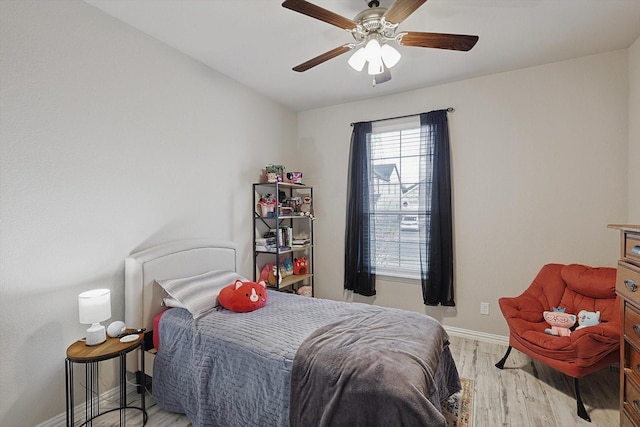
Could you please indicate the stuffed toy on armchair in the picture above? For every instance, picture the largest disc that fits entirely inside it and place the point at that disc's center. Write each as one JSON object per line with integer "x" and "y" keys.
{"x": 588, "y": 318}
{"x": 560, "y": 323}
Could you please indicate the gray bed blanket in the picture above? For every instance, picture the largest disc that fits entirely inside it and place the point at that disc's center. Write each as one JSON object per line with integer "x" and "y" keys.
{"x": 234, "y": 369}
{"x": 375, "y": 367}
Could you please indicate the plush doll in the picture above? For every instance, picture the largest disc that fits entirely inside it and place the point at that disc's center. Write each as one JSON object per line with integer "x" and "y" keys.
{"x": 273, "y": 274}
{"x": 587, "y": 318}
{"x": 300, "y": 266}
{"x": 560, "y": 323}
{"x": 305, "y": 291}
{"x": 305, "y": 207}
{"x": 288, "y": 266}
{"x": 243, "y": 297}
{"x": 264, "y": 273}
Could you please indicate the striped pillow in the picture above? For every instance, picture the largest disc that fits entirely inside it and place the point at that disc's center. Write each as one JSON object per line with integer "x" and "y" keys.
{"x": 199, "y": 294}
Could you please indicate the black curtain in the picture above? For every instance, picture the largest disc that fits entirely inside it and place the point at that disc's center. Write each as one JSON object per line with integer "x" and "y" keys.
{"x": 358, "y": 268}
{"x": 436, "y": 263}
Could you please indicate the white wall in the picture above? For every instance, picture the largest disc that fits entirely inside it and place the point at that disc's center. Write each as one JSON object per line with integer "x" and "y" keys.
{"x": 634, "y": 133}
{"x": 539, "y": 170}
{"x": 109, "y": 141}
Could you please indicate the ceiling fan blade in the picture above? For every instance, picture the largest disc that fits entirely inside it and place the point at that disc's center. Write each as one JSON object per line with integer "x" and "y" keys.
{"x": 322, "y": 58}
{"x": 401, "y": 9}
{"x": 438, "y": 40}
{"x": 322, "y": 14}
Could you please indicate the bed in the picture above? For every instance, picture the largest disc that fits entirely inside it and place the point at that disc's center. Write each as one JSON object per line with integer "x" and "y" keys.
{"x": 297, "y": 361}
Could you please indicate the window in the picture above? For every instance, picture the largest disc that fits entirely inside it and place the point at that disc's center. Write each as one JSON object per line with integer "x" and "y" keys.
{"x": 393, "y": 174}
{"x": 395, "y": 179}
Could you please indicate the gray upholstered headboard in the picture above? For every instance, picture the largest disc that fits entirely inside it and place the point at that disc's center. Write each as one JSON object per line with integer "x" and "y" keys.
{"x": 171, "y": 260}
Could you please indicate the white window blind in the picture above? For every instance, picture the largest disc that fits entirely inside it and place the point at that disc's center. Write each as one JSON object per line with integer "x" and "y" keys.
{"x": 397, "y": 221}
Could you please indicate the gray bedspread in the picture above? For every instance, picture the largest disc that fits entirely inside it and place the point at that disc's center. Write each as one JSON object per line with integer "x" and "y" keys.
{"x": 234, "y": 369}
{"x": 375, "y": 367}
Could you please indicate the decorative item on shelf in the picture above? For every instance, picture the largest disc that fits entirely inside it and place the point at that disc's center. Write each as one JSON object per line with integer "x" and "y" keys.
{"x": 287, "y": 263}
{"x": 94, "y": 307}
{"x": 286, "y": 210}
{"x": 274, "y": 173}
{"x": 265, "y": 272}
{"x": 300, "y": 266}
{"x": 305, "y": 206}
{"x": 294, "y": 177}
{"x": 274, "y": 276}
{"x": 267, "y": 206}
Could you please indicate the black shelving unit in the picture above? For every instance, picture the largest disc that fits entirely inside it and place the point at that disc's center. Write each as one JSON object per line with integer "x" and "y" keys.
{"x": 285, "y": 220}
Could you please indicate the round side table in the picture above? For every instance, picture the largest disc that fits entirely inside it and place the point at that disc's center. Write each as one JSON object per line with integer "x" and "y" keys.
{"x": 90, "y": 356}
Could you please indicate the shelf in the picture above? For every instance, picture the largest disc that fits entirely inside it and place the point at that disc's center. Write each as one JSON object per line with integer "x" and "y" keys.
{"x": 256, "y": 216}
{"x": 286, "y": 251}
{"x": 281, "y": 184}
{"x": 291, "y": 280}
{"x": 288, "y": 216}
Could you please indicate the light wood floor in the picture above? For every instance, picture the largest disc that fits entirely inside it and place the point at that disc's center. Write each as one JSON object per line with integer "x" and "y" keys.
{"x": 525, "y": 393}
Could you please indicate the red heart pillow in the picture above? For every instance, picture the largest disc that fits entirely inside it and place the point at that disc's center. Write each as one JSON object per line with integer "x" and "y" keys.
{"x": 243, "y": 297}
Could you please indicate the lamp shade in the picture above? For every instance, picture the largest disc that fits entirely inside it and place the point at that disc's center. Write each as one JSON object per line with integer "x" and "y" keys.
{"x": 358, "y": 59}
{"x": 94, "y": 306}
{"x": 390, "y": 55}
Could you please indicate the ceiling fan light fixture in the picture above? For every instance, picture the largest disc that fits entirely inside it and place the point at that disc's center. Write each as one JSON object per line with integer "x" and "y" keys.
{"x": 372, "y": 50}
{"x": 390, "y": 55}
{"x": 375, "y": 67}
{"x": 358, "y": 60}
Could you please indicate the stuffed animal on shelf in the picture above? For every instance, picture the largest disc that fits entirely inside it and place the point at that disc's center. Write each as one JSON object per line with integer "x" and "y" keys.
{"x": 588, "y": 318}
{"x": 288, "y": 266}
{"x": 274, "y": 276}
{"x": 305, "y": 207}
{"x": 264, "y": 273}
{"x": 560, "y": 323}
{"x": 300, "y": 266}
{"x": 243, "y": 297}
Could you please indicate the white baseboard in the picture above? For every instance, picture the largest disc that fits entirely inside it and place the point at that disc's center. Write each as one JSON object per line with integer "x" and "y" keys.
{"x": 60, "y": 420}
{"x": 478, "y": 336}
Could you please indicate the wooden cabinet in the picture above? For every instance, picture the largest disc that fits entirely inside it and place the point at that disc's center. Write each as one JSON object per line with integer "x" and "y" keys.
{"x": 628, "y": 287}
{"x": 283, "y": 236}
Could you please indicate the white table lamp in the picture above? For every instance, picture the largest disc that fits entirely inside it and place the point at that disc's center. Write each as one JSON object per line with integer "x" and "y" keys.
{"x": 94, "y": 307}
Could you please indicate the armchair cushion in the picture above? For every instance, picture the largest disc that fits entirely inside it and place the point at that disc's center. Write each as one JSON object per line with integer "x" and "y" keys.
{"x": 574, "y": 287}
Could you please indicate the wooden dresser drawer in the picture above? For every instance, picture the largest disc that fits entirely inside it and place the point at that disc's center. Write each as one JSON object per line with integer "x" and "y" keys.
{"x": 632, "y": 324}
{"x": 632, "y": 248}
{"x": 626, "y": 418}
{"x": 632, "y": 399}
{"x": 633, "y": 361}
{"x": 628, "y": 282}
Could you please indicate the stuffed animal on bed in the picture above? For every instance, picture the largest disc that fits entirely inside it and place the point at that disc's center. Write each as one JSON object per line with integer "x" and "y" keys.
{"x": 243, "y": 297}
{"x": 588, "y": 318}
{"x": 560, "y": 323}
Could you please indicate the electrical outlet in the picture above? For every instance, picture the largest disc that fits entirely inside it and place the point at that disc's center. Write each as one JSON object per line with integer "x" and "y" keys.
{"x": 484, "y": 308}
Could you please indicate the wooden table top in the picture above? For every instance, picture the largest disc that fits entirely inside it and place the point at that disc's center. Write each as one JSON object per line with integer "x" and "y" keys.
{"x": 79, "y": 351}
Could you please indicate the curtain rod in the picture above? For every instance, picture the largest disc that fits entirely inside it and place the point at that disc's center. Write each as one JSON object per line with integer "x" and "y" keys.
{"x": 449, "y": 110}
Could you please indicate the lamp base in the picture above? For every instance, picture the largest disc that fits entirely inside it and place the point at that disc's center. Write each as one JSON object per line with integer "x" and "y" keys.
{"x": 96, "y": 334}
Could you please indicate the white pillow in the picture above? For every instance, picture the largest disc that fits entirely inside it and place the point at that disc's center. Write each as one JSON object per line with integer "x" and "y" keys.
{"x": 199, "y": 294}
{"x": 170, "y": 301}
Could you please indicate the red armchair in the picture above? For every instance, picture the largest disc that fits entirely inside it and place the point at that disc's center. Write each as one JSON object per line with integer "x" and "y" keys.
{"x": 574, "y": 287}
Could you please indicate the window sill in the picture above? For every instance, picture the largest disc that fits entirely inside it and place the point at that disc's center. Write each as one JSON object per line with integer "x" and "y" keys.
{"x": 392, "y": 276}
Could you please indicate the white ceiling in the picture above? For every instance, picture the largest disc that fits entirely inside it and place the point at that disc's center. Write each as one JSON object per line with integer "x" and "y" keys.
{"x": 257, "y": 42}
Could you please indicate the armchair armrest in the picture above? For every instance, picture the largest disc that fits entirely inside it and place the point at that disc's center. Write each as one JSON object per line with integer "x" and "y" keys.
{"x": 594, "y": 342}
{"x": 522, "y": 307}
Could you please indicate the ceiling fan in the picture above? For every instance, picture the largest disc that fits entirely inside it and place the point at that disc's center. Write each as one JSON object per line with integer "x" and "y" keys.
{"x": 373, "y": 29}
